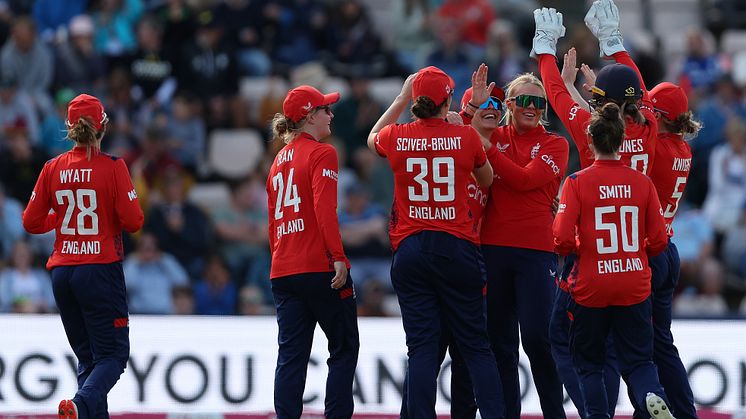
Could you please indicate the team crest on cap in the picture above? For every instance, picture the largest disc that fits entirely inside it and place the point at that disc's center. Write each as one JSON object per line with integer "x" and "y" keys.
{"x": 307, "y": 107}
{"x": 630, "y": 91}
{"x": 448, "y": 90}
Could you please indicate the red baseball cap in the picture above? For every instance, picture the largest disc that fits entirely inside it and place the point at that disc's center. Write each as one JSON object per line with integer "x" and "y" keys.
{"x": 497, "y": 92}
{"x": 303, "y": 99}
{"x": 669, "y": 99}
{"x": 88, "y": 107}
{"x": 432, "y": 82}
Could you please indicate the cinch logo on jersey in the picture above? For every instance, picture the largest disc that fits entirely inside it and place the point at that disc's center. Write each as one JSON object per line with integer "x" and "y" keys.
{"x": 428, "y": 144}
{"x": 619, "y": 265}
{"x": 681, "y": 165}
{"x": 574, "y": 111}
{"x": 476, "y": 194}
{"x": 550, "y": 161}
{"x": 632, "y": 146}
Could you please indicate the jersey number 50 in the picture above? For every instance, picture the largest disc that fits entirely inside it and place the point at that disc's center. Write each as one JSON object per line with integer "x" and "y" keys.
{"x": 629, "y": 231}
{"x": 77, "y": 199}
{"x": 446, "y": 180}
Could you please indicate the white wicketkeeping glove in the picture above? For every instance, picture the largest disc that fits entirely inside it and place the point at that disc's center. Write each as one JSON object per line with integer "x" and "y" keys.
{"x": 549, "y": 29}
{"x": 603, "y": 21}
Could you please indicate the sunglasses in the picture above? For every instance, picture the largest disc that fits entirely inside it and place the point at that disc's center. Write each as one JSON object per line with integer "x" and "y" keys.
{"x": 524, "y": 101}
{"x": 325, "y": 108}
{"x": 495, "y": 102}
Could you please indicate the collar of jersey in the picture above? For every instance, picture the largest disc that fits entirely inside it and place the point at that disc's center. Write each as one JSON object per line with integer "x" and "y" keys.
{"x": 617, "y": 162}
{"x": 307, "y": 136}
{"x": 432, "y": 121}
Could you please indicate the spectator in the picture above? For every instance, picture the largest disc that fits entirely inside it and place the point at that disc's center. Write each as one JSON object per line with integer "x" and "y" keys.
{"x": 177, "y": 19}
{"x": 251, "y": 302}
{"x": 709, "y": 302}
{"x": 20, "y": 162}
{"x": 186, "y": 132}
{"x": 241, "y": 229}
{"x": 243, "y": 21}
{"x": 451, "y": 55}
{"x": 701, "y": 67}
{"x": 734, "y": 247}
{"x": 216, "y": 293}
{"x": 354, "y": 46}
{"x": 473, "y": 18}
{"x": 297, "y": 28}
{"x": 411, "y": 32}
{"x": 152, "y": 67}
{"x": 77, "y": 64}
{"x": 115, "y": 27}
{"x": 24, "y": 285}
{"x": 11, "y": 228}
{"x": 362, "y": 226}
{"x": 17, "y": 105}
{"x": 52, "y": 16}
{"x": 695, "y": 240}
{"x": 356, "y": 114}
{"x": 182, "y": 299}
{"x": 209, "y": 69}
{"x": 151, "y": 277}
{"x": 28, "y": 60}
{"x": 371, "y": 300}
{"x": 123, "y": 112}
{"x": 152, "y": 161}
{"x": 53, "y": 126}
{"x": 504, "y": 56}
{"x": 727, "y": 179}
{"x": 182, "y": 229}
{"x": 346, "y": 176}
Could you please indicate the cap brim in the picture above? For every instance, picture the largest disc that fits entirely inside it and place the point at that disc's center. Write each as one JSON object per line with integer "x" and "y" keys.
{"x": 331, "y": 98}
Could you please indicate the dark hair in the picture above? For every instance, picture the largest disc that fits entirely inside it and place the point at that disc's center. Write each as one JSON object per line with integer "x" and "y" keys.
{"x": 424, "y": 107}
{"x": 607, "y": 129}
{"x": 628, "y": 107}
{"x": 683, "y": 124}
{"x": 85, "y": 134}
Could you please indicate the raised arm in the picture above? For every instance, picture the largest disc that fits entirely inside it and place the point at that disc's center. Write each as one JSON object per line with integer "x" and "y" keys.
{"x": 393, "y": 112}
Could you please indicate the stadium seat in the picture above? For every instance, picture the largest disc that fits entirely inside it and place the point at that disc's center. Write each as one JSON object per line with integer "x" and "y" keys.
{"x": 234, "y": 154}
{"x": 336, "y": 84}
{"x": 733, "y": 41}
{"x": 385, "y": 91}
{"x": 254, "y": 89}
{"x": 210, "y": 195}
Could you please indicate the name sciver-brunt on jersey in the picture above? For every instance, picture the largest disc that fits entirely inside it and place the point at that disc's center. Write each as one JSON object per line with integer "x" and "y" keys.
{"x": 443, "y": 168}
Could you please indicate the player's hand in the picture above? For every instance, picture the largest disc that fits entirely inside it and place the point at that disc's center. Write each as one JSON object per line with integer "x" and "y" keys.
{"x": 340, "y": 275}
{"x": 480, "y": 91}
{"x": 454, "y": 118}
{"x": 603, "y": 21}
{"x": 589, "y": 75}
{"x": 549, "y": 29}
{"x": 569, "y": 69}
{"x": 406, "y": 89}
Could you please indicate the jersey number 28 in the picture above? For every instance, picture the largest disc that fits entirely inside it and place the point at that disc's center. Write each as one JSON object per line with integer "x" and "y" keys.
{"x": 85, "y": 201}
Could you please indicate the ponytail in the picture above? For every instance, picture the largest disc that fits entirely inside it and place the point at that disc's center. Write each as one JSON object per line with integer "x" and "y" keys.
{"x": 83, "y": 133}
{"x": 682, "y": 124}
{"x": 285, "y": 129}
{"x": 424, "y": 107}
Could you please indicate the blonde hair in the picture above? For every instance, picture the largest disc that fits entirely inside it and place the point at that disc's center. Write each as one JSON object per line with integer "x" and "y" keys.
{"x": 286, "y": 129}
{"x": 83, "y": 133}
{"x": 525, "y": 78}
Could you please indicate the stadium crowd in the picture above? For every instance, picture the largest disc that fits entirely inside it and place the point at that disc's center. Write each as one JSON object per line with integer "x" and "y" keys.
{"x": 176, "y": 74}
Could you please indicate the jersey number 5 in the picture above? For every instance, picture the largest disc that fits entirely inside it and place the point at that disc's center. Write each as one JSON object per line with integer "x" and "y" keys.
{"x": 287, "y": 195}
{"x": 671, "y": 209}
{"x": 629, "y": 235}
{"x": 447, "y": 179}
{"x": 85, "y": 201}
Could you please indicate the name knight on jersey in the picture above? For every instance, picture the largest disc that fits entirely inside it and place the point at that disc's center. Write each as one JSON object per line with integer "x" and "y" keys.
{"x": 614, "y": 191}
{"x": 428, "y": 144}
{"x": 432, "y": 213}
{"x": 89, "y": 247}
{"x": 681, "y": 165}
{"x": 632, "y": 146}
{"x": 290, "y": 227}
{"x": 75, "y": 175}
{"x": 619, "y": 265}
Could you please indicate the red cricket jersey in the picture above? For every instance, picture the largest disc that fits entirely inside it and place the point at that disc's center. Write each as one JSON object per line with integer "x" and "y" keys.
{"x": 610, "y": 216}
{"x": 478, "y": 197}
{"x": 432, "y": 161}
{"x": 673, "y": 159}
{"x": 302, "y": 194}
{"x": 93, "y": 201}
{"x": 530, "y": 166}
{"x": 638, "y": 148}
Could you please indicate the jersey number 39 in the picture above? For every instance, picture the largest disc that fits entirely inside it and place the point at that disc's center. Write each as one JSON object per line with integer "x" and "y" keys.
{"x": 443, "y": 179}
